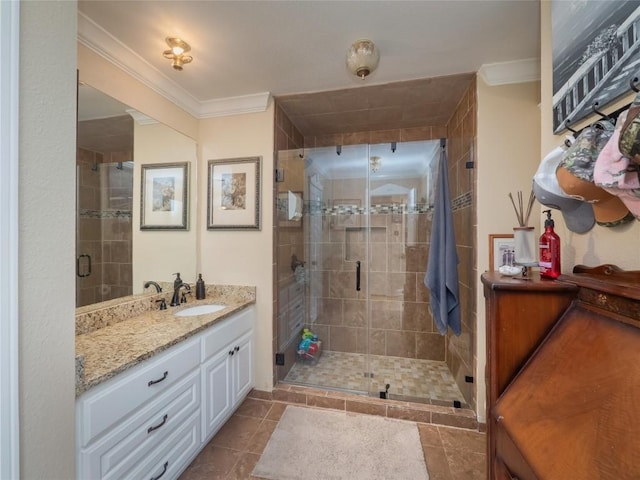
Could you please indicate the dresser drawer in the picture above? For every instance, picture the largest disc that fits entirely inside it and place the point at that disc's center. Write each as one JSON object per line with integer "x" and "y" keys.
{"x": 102, "y": 407}
{"x": 226, "y": 332}
{"x": 134, "y": 438}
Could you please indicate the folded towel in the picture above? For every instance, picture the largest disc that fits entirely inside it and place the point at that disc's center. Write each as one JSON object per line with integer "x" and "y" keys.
{"x": 441, "y": 277}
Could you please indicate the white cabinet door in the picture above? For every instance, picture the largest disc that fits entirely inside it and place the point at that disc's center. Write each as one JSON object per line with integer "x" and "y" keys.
{"x": 216, "y": 392}
{"x": 242, "y": 367}
{"x": 226, "y": 378}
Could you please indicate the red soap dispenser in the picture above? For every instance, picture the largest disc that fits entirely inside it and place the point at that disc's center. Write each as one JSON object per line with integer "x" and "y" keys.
{"x": 549, "y": 250}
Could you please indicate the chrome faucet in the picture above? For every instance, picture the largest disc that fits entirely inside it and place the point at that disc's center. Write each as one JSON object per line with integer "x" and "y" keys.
{"x": 149, "y": 283}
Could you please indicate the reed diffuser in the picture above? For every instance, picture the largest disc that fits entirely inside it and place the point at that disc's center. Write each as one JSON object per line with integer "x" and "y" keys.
{"x": 523, "y": 234}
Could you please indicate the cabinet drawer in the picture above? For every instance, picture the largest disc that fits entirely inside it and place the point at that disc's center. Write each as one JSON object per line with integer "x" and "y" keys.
{"x": 133, "y": 439}
{"x": 101, "y": 408}
{"x": 226, "y": 332}
{"x": 171, "y": 457}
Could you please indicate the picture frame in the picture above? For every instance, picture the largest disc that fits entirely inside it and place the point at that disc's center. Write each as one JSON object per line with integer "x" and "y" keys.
{"x": 289, "y": 209}
{"x": 164, "y": 199}
{"x": 501, "y": 245}
{"x": 233, "y": 194}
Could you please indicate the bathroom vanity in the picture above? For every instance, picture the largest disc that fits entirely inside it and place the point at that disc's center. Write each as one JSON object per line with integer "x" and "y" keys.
{"x": 156, "y": 387}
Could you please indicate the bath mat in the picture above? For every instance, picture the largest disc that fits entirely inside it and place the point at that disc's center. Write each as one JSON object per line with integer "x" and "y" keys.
{"x": 316, "y": 444}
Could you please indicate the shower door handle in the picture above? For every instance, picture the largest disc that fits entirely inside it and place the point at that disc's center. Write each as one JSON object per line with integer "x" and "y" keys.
{"x": 83, "y": 272}
{"x": 358, "y": 275}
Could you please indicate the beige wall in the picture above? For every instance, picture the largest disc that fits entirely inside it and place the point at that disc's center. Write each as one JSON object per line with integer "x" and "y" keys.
{"x": 508, "y": 156}
{"x": 242, "y": 257}
{"x": 158, "y": 254}
{"x": 617, "y": 245}
{"x": 47, "y": 237}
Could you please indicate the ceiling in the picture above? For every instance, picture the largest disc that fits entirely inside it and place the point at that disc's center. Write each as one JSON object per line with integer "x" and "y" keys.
{"x": 292, "y": 49}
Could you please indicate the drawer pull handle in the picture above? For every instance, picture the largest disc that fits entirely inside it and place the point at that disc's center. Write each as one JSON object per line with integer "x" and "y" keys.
{"x": 152, "y": 382}
{"x": 155, "y": 427}
{"x": 237, "y": 348}
{"x": 164, "y": 470}
{"x": 231, "y": 352}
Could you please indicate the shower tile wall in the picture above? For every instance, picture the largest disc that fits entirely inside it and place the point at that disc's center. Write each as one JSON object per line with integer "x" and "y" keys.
{"x": 401, "y": 325}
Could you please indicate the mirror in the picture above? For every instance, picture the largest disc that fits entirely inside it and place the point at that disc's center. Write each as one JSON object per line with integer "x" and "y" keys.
{"x": 113, "y": 256}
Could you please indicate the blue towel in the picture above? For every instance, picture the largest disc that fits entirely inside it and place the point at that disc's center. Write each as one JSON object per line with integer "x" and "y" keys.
{"x": 442, "y": 266}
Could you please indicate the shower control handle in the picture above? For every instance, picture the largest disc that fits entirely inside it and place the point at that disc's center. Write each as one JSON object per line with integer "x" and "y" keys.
{"x": 358, "y": 275}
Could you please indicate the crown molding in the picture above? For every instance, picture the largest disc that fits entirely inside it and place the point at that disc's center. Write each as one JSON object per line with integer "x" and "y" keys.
{"x": 97, "y": 39}
{"x": 517, "y": 71}
{"x": 219, "y": 107}
{"x": 141, "y": 118}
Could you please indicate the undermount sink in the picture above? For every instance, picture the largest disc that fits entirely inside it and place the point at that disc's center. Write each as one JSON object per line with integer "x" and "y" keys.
{"x": 200, "y": 310}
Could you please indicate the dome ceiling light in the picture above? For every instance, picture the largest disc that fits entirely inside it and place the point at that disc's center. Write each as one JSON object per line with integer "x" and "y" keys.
{"x": 362, "y": 58}
{"x": 176, "y": 53}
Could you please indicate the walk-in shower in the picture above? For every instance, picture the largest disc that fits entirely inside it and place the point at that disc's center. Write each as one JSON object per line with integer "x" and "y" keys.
{"x": 353, "y": 228}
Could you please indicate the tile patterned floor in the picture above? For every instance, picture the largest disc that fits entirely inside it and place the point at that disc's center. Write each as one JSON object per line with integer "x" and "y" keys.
{"x": 450, "y": 453}
{"x": 408, "y": 377}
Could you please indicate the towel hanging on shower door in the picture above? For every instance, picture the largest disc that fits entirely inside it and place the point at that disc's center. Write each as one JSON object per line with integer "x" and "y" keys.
{"x": 441, "y": 277}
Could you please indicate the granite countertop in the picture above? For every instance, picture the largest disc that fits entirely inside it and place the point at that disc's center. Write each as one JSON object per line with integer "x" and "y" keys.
{"x": 113, "y": 348}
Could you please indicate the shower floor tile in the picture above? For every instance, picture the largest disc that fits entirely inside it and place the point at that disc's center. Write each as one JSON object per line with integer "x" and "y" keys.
{"x": 408, "y": 377}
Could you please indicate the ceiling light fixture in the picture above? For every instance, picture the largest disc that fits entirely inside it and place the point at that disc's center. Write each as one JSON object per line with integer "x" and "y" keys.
{"x": 362, "y": 58}
{"x": 176, "y": 53}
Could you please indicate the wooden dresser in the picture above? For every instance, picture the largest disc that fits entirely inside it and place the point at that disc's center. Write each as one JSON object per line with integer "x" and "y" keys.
{"x": 520, "y": 313}
{"x": 570, "y": 411}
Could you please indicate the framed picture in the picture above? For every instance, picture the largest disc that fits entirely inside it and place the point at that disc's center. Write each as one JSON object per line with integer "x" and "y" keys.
{"x": 233, "y": 199}
{"x": 289, "y": 208}
{"x": 164, "y": 199}
{"x": 501, "y": 250}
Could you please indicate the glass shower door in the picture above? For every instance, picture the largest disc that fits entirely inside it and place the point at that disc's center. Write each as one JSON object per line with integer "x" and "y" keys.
{"x": 406, "y": 354}
{"x": 336, "y": 227}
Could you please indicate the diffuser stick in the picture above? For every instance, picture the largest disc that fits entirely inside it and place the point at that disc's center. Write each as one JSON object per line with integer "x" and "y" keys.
{"x": 515, "y": 209}
{"x": 522, "y": 215}
{"x": 532, "y": 199}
